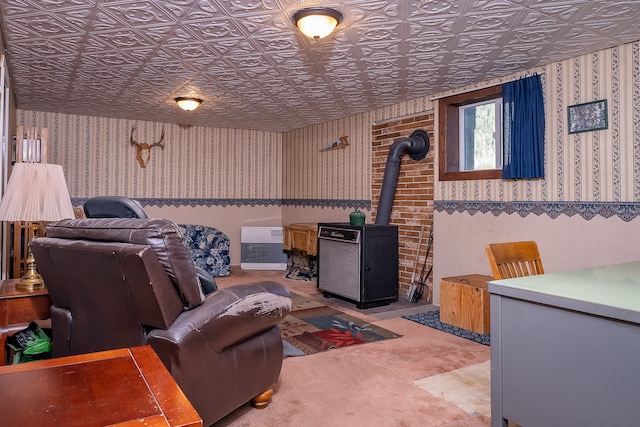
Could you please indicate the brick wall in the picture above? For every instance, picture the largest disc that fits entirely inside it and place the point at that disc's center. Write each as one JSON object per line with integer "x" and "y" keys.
{"x": 413, "y": 202}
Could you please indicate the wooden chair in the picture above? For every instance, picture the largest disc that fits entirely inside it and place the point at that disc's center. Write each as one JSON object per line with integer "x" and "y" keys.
{"x": 514, "y": 259}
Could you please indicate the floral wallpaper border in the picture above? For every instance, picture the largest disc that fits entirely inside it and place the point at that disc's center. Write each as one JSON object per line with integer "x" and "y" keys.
{"x": 626, "y": 211}
{"x": 327, "y": 203}
{"x": 322, "y": 203}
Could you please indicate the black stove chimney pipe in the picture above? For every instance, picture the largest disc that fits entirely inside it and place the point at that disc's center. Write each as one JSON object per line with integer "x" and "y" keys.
{"x": 417, "y": 145}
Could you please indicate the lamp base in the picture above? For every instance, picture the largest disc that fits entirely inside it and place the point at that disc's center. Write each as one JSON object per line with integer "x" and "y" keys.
{"x": 31, "y": 281}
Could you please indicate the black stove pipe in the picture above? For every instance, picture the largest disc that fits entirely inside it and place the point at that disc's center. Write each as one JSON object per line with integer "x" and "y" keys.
{"x": 417, "y": 145}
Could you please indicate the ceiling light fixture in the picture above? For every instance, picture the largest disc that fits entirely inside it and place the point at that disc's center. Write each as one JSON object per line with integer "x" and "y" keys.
{"x": 317, "y": 22}
{"x": 188, "y": 103}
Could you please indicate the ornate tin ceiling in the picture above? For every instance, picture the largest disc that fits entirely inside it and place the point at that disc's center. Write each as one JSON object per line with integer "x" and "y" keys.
{"x": 130, "y": 59}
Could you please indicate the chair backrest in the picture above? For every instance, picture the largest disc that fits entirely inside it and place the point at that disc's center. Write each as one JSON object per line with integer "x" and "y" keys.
{"x": 113, "y": 207}
{"x": 514, "y": 259}
{"x": 112, "y": 280}
{"x": 104, "y": 294}
{"x": 162, "y": 235}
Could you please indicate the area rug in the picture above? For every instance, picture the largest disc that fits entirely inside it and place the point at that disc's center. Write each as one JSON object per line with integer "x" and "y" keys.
{"x": 432, "y": 320}
{"x": 313, "y": 327}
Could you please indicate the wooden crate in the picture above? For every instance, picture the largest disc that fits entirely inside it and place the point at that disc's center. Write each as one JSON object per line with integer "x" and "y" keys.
{"x": 303, "y": 236}
{"x": 464, "y": 302}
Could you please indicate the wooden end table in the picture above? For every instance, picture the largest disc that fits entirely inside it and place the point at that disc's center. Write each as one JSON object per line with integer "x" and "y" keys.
{"x": 18, "y": 308}
{"x": 124, "y": 387}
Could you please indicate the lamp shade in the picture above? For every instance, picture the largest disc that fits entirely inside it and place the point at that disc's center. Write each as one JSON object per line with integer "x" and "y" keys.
{"x": 317, "y": 22}
{"x": 36, "y": 192}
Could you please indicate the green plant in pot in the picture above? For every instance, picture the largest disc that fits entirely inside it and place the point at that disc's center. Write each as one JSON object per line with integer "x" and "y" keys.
{"x": 357, "y": 217}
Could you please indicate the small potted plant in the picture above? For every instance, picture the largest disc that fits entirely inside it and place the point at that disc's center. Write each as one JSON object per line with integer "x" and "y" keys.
{"x": 357, "y": 217}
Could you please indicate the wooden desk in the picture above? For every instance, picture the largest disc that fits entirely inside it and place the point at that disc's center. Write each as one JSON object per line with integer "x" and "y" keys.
{"x": 123, "y": 387}
{"x": 18, "y": 308}
{"x": 564, "y": 348}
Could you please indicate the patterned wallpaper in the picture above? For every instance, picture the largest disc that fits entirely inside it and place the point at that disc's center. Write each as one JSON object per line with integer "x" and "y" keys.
{"x": 198, "y": 165}
{"x": 217, "y": 166}
{"x": 339, "y": 173}
{"x": 590, "y": 173}
{"x": 337, "y": 177}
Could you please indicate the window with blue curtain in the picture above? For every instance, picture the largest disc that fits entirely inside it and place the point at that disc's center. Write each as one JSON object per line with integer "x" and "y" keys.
{"x": 523, "y": 121}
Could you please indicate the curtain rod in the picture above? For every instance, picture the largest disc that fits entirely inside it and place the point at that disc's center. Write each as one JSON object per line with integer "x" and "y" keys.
{"x": 490, "y": 83}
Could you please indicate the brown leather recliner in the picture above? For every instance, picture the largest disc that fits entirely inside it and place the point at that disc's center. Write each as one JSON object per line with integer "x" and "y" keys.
{"x": 126, "y": 282}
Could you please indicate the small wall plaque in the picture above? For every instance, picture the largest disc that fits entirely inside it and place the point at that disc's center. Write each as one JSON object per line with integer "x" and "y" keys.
{"x": 588, "y": 116}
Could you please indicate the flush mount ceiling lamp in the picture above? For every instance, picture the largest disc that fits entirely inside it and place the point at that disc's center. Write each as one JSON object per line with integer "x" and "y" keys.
{"x": 317, "y": 22}
{"x": 188, "y": 103}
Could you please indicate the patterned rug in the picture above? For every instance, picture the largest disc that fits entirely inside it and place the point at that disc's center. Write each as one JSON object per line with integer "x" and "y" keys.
{"x": 432, "y": 320}
{"x": 312, "y": 327}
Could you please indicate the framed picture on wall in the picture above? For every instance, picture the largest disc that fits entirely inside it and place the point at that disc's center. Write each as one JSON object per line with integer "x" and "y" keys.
{"x": 588, "y": 116}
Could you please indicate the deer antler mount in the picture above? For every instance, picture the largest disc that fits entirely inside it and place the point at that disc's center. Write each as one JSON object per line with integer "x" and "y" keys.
{"x": 143, "y": 150}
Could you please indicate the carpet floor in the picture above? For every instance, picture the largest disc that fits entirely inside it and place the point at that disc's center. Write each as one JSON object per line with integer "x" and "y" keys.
{"x": 383, "y": 383}
{"x": 469, "y": 387}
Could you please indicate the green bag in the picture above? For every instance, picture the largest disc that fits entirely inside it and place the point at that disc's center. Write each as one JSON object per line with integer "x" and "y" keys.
{"x": 29, "y": 344}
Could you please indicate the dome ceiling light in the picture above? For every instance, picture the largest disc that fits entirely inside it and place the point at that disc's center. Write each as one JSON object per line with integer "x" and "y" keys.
{"x": 317, "y": 22}
{"x": 188, "y": 103}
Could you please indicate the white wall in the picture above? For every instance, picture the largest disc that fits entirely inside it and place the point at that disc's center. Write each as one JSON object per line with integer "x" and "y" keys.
{"x": 228, "y": 219}
{"x": 319, "y": 214}
{"x": 565, "y": 243}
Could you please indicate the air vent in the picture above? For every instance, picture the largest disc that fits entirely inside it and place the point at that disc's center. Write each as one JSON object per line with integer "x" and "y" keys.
{"x": 261, "y": 249}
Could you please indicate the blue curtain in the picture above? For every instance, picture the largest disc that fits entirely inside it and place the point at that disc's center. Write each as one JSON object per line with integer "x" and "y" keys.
{"x": 523, "y": 122}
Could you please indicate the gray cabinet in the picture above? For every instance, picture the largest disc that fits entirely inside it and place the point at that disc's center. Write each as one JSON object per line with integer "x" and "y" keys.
{"x": 565, "y": 348}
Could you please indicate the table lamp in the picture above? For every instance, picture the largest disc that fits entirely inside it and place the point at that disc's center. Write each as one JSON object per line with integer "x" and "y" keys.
{"x": 35, "y": 192}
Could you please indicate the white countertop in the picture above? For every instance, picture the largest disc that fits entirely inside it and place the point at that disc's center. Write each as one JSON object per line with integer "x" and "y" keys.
{"x": 610, "y": 291}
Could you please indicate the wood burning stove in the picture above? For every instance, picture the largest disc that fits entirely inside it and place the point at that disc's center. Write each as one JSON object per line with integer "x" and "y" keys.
{"x": 358, "y": 263}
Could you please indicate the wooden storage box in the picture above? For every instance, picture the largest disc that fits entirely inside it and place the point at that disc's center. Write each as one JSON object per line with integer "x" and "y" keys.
{"x": 303, "y": 237}
{"x": 464, "y": 302}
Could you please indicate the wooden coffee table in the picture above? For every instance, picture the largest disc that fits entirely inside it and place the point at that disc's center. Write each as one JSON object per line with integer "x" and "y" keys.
{"x": 124, "y": 387}
{"x": 18, "y": 308}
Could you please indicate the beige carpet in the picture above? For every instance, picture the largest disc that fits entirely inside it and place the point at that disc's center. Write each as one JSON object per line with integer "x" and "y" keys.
{"x": 469, "y": 387}
{"x": 384, "y": 383}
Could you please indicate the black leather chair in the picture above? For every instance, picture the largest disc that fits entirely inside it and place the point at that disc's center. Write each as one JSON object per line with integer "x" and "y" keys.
{"x": 120, "y": 283}
{"x": 113, "y": 207}
{"x": 124, "y": 207}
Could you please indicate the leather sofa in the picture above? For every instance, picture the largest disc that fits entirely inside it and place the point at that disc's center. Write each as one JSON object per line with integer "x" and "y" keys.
{"x": 120, "y": 282}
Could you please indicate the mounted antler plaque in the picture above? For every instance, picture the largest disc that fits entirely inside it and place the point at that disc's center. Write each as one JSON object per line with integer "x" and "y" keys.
{"x": 144, "y": 149}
